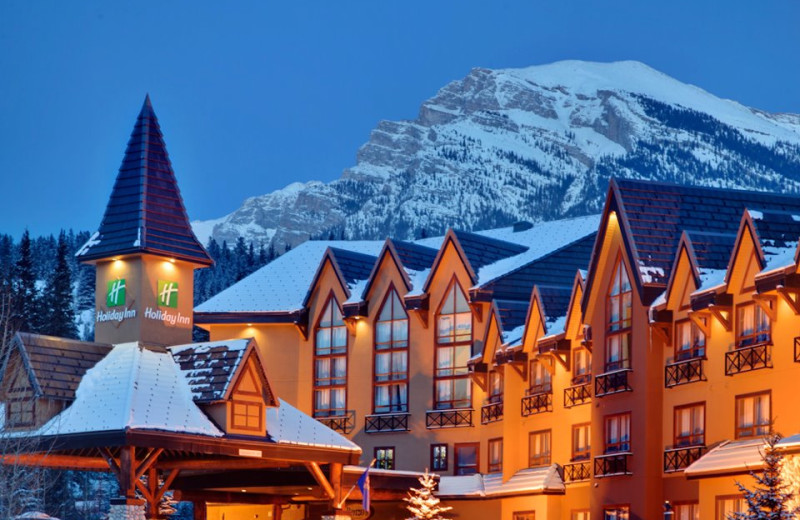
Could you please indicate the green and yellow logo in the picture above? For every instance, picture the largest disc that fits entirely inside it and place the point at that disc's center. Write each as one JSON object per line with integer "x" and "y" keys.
{"x": 167, "y": 294}
{"x": 115, "y": 293}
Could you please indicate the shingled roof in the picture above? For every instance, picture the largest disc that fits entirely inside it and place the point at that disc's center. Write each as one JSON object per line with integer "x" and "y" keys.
{"x": 145, "y": 213}
{"x": 56, "y": 365}
{"x": 655, "y": 214}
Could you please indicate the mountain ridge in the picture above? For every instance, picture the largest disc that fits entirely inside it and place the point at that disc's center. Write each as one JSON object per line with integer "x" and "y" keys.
{"x": 534, "y": 143}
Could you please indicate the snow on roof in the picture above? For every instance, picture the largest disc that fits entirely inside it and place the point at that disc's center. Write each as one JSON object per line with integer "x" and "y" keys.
{"x": 710, "y": 279}
{"x": 728, "y": 457}
{"x": 529, "y": 480}
{"x": 209, "y": 366}
{"x": 777, "y": 258}
{"x": 282, "y": 284}
{"x": 514, "y": 336}
{"x": 288, "y": 425}
{"x": 132, "y": 388}
{"x": 541, "y": 239}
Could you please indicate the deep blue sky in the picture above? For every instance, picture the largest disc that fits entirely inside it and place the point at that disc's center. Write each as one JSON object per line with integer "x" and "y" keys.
{"x": 254, "y": 95}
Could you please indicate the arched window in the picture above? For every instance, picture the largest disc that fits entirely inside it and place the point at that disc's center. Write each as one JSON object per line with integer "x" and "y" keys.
{"x": 618, "y": 311}
{"x": 330, "y": 362}
{"x": 391, "y": 356}
{"x": 453, "y": 349}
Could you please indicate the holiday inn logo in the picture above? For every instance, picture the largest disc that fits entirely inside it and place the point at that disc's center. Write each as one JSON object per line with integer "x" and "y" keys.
{"x": 115, "y": 293}
{"x": 167, "y": 294}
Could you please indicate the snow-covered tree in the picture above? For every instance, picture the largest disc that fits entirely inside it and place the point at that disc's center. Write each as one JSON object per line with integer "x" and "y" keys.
{"x": 771, "y": 498}
{"x": 422, "y": 503}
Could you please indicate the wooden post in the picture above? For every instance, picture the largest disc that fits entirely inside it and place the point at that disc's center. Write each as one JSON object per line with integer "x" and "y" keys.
{"x": 199, "y": 510}
{"x": 127, "y": 472}
{"x": 336, "y": 482}
{"x": 152, "y": 486}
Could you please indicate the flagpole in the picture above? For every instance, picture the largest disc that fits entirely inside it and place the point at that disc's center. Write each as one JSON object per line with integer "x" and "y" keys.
{"x": 339, "y": 505}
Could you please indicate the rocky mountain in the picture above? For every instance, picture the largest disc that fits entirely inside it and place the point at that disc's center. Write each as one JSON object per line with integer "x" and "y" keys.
{"x": 527, "y": 144}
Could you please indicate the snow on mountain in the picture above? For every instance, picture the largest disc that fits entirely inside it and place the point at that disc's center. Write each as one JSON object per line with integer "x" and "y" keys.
{"x": 536, "y": 143}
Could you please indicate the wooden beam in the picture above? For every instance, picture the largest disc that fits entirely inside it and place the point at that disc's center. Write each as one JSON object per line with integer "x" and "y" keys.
{"x": 792, "y": 298}
{"x": 127, "y": 472}
{"x": 56, "y": 461}
{"x": 148, "y": 461}
{"x": 336, "y": 480}
{"x": 218, "y": 464}
{"x": 170, "y": 478}
{"x": 662, "y": 331}
{"x": 723, "y": 315}
{"x": 700, "y": 318}
{"x": 319, "y": 476}
{"x": 768, "y": 304}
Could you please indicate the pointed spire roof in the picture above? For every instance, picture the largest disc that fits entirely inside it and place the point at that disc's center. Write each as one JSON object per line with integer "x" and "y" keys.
{"x": 145, "y": 212}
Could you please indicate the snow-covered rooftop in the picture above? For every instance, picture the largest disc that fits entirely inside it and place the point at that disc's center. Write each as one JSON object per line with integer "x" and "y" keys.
{"x": 209, "y": 366}
{"x": 288, "y": 425}
{"x": 132, "y": 388}
{"x": 728, "y": 457}
{"x": 530, "y": 480}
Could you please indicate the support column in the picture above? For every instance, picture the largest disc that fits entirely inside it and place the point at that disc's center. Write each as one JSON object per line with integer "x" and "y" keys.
{"x": 337, "y": 504}
{"x": 127, "y": 506}
{"x": 199, "y": 510}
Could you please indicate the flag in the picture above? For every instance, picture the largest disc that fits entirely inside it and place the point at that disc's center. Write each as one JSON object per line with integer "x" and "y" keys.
{"x": 363, "y": 485}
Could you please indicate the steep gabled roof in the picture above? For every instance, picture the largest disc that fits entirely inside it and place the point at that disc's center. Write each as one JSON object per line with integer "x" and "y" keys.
{"x": 482, "y": 250}
{"x": 55, "y": 366}
{"x": 145, "y": 213}
{"x": 212, "y": 367}
{"x": 414, "y": 256}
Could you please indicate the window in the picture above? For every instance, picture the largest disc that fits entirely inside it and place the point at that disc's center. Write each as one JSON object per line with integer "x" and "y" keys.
{"x": 246, "y": 415}
{"x": 539, "y": 448}
{"x": 688, "y": 511}
{"x": 523, "y": 515}
{"x": 384, "y": 458}
{"x": 580, "y": 514}
{"x": 495, "y": 386}
{"x": 690, "y": 342}
{"x": 21, "y": 412}
{"x": 330, "y": 362}
{"x": 619, "y": 308}
{"x": 581, "y": 366}
{"x": 728, "y": 505}
{"x": 581, "y": 441}
{"x": 690, "y": 425}
{"x": 616, "y": 513}
{"x": 391, "y": 356}
{"x": 495, "y": 455}
{"x": 540, "y": 379}
{"x": 752, "y": 325}
{"x": 752, "y": 415}
{"x": 439, "y": 457}
{"x": 467, "y": 458}
{"x": 618, "y": 433}
{"x": 453, "y": 350}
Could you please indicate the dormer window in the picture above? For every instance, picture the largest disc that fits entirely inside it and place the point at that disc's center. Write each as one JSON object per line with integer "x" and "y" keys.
{"x": 690, "y": 342}
{"x": 540, "y": 378}
{"x": 752, "y": 325}
{"x": 391, "y": 356}
{"x": 618, "y": 311}
{"x": 330, "y": 362}
{"x": 453, "y": 349}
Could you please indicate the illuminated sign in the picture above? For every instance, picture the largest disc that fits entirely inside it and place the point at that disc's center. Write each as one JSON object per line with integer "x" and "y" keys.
{"x": 167, "y": 294}
{"x": 115, "y": 293}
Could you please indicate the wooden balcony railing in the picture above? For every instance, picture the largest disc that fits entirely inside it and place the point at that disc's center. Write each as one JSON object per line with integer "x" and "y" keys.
{"x": 343, "y": 423}
{"x": 578, "y": 471}
{"x": 455, "y": 418}
{"x": 578, "y": 394}
{"x": 676, "y": 459}
{"x": 684, "y": 372}
{"x": 612, "y": 382}
{"x": 747, "y": 359}
{"x": 612, "y": 464}
{"x": 386, "y": 422}
{"x": 491, "y": 412}
{"x": 797, "y": 349}
{"x": 537, "y": 403}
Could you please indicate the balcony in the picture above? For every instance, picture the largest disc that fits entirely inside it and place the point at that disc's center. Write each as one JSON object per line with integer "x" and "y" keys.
{"x": 684, "y": 372}
{"x": 386, "y": 422}
{"x": 537, "y": 403}
{"x": 455, "y": 418}
{"x": 797, "y": 350}
{"x": 491, "y": 412}
{"x": 343, "y": 423}
{"x": 577, "y": 471}
{"x": 612, "y": 464}
{"x": 676, "y": 459}
{"x": 612, "y": 382}
{"x": 747, "y": 359}
{"x": 577, "y": 394}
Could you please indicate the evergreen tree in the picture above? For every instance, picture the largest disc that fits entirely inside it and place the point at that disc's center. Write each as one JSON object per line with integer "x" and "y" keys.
{"x": 60, "y": 311}
{"x": 25, "y": 293}
{"x": 771, "y": 498}
{"x": 422, "y": 503}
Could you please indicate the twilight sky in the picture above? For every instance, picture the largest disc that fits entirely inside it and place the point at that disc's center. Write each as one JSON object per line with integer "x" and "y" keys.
{"x": 254, "y": 95}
